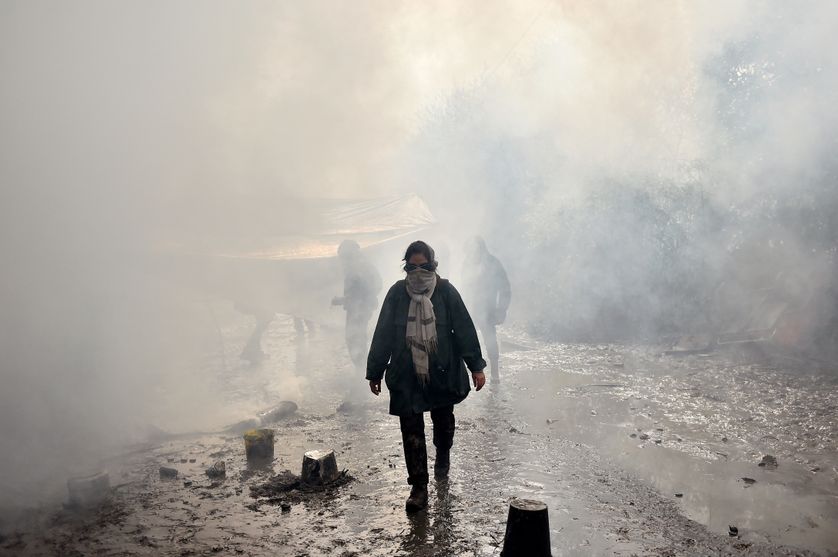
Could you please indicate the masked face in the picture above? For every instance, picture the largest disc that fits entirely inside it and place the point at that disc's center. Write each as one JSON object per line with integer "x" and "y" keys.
{"x": 420, "y": 280}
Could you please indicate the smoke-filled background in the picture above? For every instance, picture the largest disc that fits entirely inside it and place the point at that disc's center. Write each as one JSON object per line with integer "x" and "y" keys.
{"x": 640, "y": 167}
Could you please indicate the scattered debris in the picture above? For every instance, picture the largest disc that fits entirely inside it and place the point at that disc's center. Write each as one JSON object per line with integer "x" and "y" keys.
{"x": 183, "y": 461}
{"x": 633, "y": 435}
{"x": 644, "y": 437}
{"x": 733, "y": 531}
{"x": 768, "y": 461}
{"x": 815, "y": 469}
{"x": 286, "y": 488}
{"x": 168, "y": 473}
{"x": 187, "y": 483}
{"x": 749, "y": 481}
{"x": 679, "y": 495}
{"x": 217, "y": 470}
{"x": 193, "y": 460}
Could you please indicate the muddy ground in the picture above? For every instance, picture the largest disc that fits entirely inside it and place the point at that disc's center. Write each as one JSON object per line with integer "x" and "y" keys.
{"x": 635, "y": 453}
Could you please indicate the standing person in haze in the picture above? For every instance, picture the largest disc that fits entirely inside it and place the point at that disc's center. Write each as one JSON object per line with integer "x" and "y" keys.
{"x": 361, "y": 285}
{"x": 489, "y": 294}
{"x": 423, "y": 340}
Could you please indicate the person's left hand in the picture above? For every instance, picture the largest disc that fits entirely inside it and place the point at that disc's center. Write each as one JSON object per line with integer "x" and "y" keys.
{"x": 479, "y": 379}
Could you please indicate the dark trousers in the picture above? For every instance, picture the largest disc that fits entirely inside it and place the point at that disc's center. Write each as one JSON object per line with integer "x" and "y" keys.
{"x": 413, "y": 437}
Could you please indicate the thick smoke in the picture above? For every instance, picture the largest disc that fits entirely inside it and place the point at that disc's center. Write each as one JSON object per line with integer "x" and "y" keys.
{"x": 655, "y": 159}
{"x": 623, "y": 158}
{"x": 135, "y": 136}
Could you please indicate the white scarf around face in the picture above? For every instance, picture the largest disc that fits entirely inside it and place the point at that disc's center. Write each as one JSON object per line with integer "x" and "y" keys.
{"x": 421, "y": 321}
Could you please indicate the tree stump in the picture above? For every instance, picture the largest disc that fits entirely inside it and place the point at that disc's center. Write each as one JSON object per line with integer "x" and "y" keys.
{"x": 527, "y": 530}
{"x": 168, "y": 473}
{"x": 319, "y": 467}
{"x": 259, "y": 445}
{"x": 89, "y": 490}
{"x": 217, "y": 470}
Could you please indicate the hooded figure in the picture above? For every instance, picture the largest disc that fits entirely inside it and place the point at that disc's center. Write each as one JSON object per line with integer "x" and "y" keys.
{"x": 488, "y": 291}
{"x": 422, "y": 344}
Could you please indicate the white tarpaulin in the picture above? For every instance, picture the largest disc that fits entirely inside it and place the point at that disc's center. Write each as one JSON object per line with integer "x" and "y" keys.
{"x": 369, "y": 222}
{"x": 298, "y": 273}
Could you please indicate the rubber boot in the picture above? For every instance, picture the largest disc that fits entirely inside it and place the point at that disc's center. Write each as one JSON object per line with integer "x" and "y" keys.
{"x": 418, "y": 499}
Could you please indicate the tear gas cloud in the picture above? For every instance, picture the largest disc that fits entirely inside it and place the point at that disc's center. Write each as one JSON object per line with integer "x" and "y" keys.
{"x": 624, "y": 159}
{"x": 658, "y": 160}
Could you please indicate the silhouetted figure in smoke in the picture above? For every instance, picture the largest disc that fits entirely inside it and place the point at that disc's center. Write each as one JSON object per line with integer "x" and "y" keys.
{"x": 361, "y": 285}
{"x": 301, "y": 325}
{"x": 489, "y": 295}
{"x": 252, "y": 351}
{"x": 423, "y": 340}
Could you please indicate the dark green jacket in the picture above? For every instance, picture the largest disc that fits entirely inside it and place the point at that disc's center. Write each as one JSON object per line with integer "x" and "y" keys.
{"x": 458, "y": 346}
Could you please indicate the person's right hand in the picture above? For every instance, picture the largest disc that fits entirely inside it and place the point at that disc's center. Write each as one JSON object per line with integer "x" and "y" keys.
{"x": 375, "y": 387}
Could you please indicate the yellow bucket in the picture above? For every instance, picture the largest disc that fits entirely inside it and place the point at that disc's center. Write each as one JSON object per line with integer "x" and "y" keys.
{"x": 259, "y": 444}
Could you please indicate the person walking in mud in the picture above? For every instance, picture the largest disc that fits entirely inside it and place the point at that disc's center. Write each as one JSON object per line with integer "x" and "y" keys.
{"x": 489, "y": 293}
{"x": 423, "y": 341}
{"x": 361, "y": 285}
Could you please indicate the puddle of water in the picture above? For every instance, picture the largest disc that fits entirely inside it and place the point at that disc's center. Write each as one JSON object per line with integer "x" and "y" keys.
{"x": 789, "y": 505}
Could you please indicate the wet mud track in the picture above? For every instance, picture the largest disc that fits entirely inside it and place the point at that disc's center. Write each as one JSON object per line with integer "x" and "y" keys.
{"x": 557, "y": 429}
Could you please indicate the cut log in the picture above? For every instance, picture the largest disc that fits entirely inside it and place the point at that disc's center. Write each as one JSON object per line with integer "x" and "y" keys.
{"x": 527, "y": 530}
{"x": 259, "y": 445}
{"x": 282, "y": 410}
{"x": 319, "y": 467}
{"x": 90, "y": 490}
{"x": 244, "y": 425}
